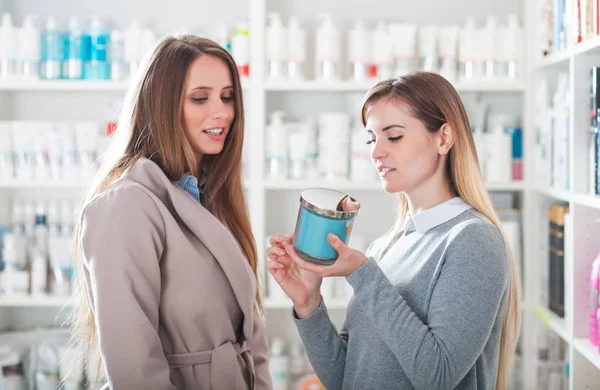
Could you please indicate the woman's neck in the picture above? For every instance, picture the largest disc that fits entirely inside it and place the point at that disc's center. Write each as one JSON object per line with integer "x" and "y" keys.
{"x": 429, "y": 194}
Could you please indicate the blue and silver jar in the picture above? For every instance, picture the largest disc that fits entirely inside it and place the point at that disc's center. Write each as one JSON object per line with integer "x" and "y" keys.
{"x": 321, "y": 212}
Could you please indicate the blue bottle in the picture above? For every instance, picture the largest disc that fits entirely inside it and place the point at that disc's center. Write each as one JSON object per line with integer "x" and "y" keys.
{"x": 75, "y": 51}
{"x": 52, "y": 52}
{"x": 97, "y": 67}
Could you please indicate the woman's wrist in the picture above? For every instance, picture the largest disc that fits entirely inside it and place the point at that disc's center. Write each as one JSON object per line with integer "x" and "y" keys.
{"x": 308, "y": 308}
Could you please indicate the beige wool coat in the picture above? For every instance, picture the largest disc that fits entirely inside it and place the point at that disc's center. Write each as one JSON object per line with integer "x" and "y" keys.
{"x": 173, "y": 294}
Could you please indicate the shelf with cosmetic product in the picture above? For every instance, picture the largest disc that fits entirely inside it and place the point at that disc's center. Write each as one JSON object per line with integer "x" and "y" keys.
{"x": 566, "y": 183}
{"x": 326, "y": 71}
{"x": 274, "y": 201}
{"x": 37, "y": 85}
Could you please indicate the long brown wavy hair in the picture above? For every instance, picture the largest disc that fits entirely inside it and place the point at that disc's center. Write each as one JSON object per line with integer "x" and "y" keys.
{"x": 151, "y": 126}
{"x": 434, "y": 101}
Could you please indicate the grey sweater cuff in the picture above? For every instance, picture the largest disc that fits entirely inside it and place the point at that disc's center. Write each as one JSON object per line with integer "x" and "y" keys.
{"x": 358, "y": 278}
{"x": 314, "y": 319}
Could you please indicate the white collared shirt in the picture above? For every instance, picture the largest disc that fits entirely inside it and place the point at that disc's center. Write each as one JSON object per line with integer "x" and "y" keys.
{"x": 430, "y": 218}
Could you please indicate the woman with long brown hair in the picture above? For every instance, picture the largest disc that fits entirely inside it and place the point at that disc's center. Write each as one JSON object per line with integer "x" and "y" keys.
{"x": 436, "y": 300}
{"x": 166, "y": 258}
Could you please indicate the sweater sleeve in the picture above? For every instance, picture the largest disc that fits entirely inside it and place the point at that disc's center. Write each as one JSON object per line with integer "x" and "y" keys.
{"x": 325, "y": 347}
{"x": 122, "y": 239}
{"x": 465, "y": 302}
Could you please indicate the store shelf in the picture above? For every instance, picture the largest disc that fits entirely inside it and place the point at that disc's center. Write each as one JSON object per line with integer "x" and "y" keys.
{"x": 505, "y": 186}
{"x": 30, "y": 301}
{"x": 363, "y": 86}
{"x": 319, "y": 86}
{"x": 73, "y": 85}
{"x": 592, "y": 201}
{"x": 554, "y": 193}
{"x": 589, "y": 46}
{"x": 588, "y": 350}
{"x": 43, "y": 184}
{"x": 284, "y": 185}
{"x": 63, "y": 85}
{"x": 561, "y": 58}
{"x": 553, "y": 322}
{"x": 490, "y": 86}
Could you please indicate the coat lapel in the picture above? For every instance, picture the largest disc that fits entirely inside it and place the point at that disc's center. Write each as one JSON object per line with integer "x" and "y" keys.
{"x": 208, "y": 229}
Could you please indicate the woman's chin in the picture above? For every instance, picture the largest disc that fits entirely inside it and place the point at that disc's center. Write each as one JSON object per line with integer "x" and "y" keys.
{"x": 390, "y": 187}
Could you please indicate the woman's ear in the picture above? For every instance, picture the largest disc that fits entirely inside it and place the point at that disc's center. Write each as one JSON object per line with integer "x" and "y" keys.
{"x": 446, "y": 139}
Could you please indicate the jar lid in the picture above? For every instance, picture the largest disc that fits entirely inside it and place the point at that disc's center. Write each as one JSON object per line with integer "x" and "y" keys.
{"x": 326, "y": 202}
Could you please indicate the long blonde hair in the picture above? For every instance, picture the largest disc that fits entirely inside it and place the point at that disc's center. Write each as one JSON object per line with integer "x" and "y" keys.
{"x": 151, "y": 126}
{"x": 434, "y": 101}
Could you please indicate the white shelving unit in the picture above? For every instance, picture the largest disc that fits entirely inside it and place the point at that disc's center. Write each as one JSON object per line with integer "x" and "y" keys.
{"x": 582, "y": 231}
{"x": 273, "y": 205}
{"x": 350, "y": 86}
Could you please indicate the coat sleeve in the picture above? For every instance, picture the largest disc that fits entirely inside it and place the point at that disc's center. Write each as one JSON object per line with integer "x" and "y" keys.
{"x": 260, "y": 353}
{"x": 122, "y": 240}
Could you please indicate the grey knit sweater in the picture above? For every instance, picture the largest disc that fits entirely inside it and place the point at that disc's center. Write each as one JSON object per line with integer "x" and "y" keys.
{"x": 427, "y": 309}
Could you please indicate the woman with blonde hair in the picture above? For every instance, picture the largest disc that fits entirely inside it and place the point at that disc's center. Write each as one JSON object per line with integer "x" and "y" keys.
{"x": 166, "y": 258}
{"x": 436, "y": 300}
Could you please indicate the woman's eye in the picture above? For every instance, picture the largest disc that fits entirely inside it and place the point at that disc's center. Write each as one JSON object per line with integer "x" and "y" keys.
{"x": 394, "y": 139}
{"x": 199, "y": 100}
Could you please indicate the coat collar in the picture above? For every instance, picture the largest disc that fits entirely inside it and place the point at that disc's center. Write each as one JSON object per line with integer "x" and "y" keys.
{"x": 207, "y": 228}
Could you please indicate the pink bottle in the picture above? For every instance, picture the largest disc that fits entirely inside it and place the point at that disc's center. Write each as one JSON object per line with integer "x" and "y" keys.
{"x": 595, "y": 310}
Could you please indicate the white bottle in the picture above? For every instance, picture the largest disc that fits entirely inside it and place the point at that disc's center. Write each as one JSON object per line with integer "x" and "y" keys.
{"x": 467, "y": 48}
{"x": 358, "y": 51}
{"x": 383, "y": 53}
{"x": 53, "y": 219}
{"x": 328, "y": 52}
{"x": 487, "y": 46}
{"x": 29, "y": 219}
{"x": 39, "y": 273}
{"x": 361, "y": 167}
{"x": 448, "y": 48}
{"x": 8, "y": 49}
{"x": 312, "y": 159}
{"x": 18, "y": 218}
{"x": 278, "y": 365}
{"x": 499, "y": 151}
{"x": 52, "y": 51}
{"x": 40, "y": 145}
{"x": 428, "y": 36}
{"x": 14, "y": 254}
{"x": 514, "y": 34}
{"x": 116, "y": 55}
{"x": 55, "y": 152}
{"x": 7, "y": 164}
{"x": 276, "y": 49}
{"x": 131, "y": 47}
{"x": 74, "y": 56}
{"x": 240, "y": 49}
{"x": 71, "y": 168}
{"x": 298, "y": 143}
{"x": 334, "y": 145}
{"x": 147, "y": 42}
{"x": 296, "y": 66}
{"x": 28, "y": 52}
{"x": 404, "y": 40}
{"x": 277, "y": 147}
